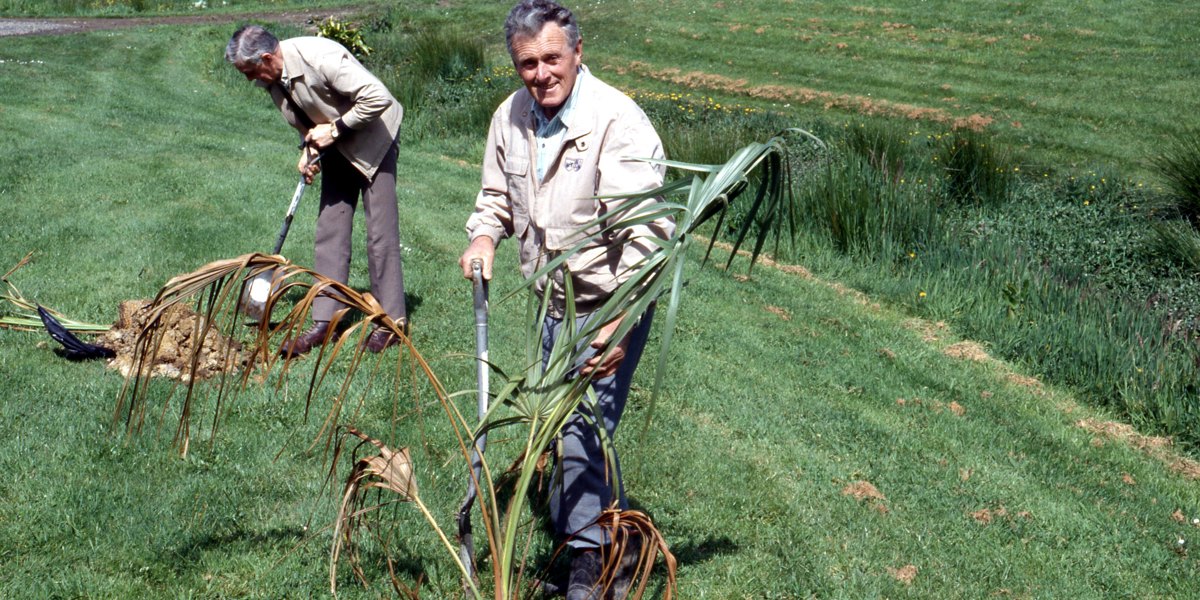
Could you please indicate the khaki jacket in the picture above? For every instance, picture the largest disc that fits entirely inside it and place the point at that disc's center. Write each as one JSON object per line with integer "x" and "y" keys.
{"x": 605, "y": 131}
{"x": 328, "y": 83}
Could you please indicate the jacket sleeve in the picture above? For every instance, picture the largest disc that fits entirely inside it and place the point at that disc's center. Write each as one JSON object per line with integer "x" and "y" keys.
{"x": 369, "y": 97}
{"x": 493, "y": 214}
{"x": 633, "y": 137}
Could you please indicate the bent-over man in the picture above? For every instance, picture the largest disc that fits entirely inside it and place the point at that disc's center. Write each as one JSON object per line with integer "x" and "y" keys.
{"x": 346, "y": 113}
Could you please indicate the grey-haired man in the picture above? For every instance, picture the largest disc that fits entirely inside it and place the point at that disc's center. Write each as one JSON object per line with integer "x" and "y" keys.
{"x": 553, "y": 148}
{"x": 327, "y": 95}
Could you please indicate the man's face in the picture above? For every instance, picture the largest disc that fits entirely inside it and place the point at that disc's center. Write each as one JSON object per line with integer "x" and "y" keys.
{"x": 548, "y": 65}
{"x": 269, "y": 70}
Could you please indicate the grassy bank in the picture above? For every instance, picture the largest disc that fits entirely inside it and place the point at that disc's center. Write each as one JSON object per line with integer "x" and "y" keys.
{"x": 812, "y": 442}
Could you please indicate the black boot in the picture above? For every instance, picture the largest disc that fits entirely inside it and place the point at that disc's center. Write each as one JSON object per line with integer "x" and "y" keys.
{"x": 627, "y": 567}
{"x": 584, "y": 583}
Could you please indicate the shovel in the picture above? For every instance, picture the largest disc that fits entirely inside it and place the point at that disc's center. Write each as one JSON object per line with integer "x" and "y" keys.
{"x": 466, "y": 549}
{"x": 260, "y": 287}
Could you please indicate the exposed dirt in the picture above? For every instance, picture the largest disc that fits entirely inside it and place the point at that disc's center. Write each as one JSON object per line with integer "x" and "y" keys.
{"x": 864, "y": 491}
{"x": 179, "y": 345}
{"x": 9, "y": 27}
{"x": 905, "y": 574}
{"x": 967, "y": 350}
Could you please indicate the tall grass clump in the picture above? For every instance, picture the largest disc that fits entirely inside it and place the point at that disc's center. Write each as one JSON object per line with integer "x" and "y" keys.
{"x": 1179, "y": 168}
{"x": 1177, "y": 242}
{"x": 974, "y": 168}
{"x": 448, "y": 87}
{"x": 862, "y": 210}
{"x": 1175, "y": 237}
{"x": 884, "y": 147}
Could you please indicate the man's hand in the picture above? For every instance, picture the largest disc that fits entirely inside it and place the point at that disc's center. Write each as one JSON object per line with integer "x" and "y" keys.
{"x": 483, "y": 249}
{"x": 321, "y": 136}
{"x": 309, "y": 166}
{"x": 594, "y": 367}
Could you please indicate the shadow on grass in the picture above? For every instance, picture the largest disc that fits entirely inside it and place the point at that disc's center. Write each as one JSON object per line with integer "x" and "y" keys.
{"x": 408, "y": 569}
{"x": 194, "y": 548}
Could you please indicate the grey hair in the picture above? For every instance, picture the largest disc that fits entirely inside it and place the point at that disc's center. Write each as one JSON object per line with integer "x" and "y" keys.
{"x": 528, "y": 18}
{"x": 249, "y": 43}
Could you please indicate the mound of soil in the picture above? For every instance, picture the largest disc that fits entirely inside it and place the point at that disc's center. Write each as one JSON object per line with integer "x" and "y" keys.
{"x": 177, "y": 340}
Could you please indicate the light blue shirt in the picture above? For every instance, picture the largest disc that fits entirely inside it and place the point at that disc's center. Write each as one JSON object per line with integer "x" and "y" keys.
{"x": 550, "y": 133}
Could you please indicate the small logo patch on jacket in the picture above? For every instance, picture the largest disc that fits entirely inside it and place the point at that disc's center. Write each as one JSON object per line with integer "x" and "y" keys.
{"x": 573, "y": 164}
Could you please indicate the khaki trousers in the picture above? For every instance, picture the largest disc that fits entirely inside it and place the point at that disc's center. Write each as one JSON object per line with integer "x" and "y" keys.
{"x": 341, "y": 187}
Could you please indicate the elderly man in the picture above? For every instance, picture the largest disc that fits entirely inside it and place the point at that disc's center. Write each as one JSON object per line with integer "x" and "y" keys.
{"x": 553, "y": 148}
{"x": 346, "y": 113}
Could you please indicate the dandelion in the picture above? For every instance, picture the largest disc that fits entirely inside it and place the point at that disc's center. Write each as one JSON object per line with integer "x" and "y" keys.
{"x": 921, "y": 295}
{"x": 912, "y": 254}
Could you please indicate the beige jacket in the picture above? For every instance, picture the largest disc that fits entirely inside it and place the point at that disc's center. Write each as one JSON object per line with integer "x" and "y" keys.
{"x": 605, "y": 131}
{"x": 328, "y": 83}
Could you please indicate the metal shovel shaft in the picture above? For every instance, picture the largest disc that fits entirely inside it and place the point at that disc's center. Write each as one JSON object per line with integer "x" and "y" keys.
{"x": 291, "y": 212}
{"x": 466, "y": 549}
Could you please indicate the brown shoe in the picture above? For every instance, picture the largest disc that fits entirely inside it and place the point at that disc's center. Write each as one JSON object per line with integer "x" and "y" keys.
{"x": 381, "y": 339}
{"x": 306, "y": 341}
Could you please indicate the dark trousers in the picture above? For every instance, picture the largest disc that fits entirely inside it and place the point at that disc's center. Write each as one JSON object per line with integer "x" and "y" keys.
{"x": 341, "y": 187}
{"x": 584, "y": 486}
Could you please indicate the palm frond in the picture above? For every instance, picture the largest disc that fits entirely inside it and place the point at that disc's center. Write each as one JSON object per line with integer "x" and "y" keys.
{"x": 27, "y": 317}
{"x": 387, "y": 470}
{"x": 216, "y": 290}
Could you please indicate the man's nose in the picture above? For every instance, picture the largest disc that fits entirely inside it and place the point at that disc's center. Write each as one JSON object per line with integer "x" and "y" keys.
{"x": 543, "y": 72}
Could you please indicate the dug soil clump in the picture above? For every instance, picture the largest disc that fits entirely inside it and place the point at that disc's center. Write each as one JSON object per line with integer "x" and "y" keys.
{"x": 179, "y": 342}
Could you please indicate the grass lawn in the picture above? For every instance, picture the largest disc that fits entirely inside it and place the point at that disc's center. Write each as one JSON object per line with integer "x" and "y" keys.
{"x": 811, "y": 442}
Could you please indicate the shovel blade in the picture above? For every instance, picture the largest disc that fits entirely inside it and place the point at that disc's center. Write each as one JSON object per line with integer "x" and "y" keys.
{"x": 256, "y": 293}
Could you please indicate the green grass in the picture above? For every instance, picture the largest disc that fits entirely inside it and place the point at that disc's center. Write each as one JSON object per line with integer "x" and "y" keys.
{"x": 784, "y": 391}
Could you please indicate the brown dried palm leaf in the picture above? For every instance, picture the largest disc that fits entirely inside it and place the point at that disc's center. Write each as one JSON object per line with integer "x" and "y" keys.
{"x": 631, "y": 554}
{"x": 216, "y": 290}
{"x": 627, "y": 528}
{"x": 388, "y": 470}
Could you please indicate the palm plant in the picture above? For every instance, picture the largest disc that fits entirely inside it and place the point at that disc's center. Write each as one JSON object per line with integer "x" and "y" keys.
{"x": 537, "y": 398}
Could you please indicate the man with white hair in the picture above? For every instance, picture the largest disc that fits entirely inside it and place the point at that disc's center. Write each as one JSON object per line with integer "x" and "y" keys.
{"x": 555, "y": 148}
{"x": 346, "y": 113}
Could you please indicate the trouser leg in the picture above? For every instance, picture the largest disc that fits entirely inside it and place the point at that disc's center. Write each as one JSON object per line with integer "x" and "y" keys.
{"x": 584, "y": 486}
{"x": 382, "y": 212}
{"x": 341, "y": 184}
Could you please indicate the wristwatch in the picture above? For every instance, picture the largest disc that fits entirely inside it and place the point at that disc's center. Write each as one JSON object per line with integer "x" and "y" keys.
{"x": 333, "y": 134}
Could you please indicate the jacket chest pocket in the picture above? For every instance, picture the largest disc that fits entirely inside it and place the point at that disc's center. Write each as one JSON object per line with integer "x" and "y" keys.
{"x": 573, "y": 201}
{"x": 516, "y": 179}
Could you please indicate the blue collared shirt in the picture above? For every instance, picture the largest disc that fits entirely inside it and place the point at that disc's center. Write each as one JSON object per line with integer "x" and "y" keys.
{"x": 550, "y": 133}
